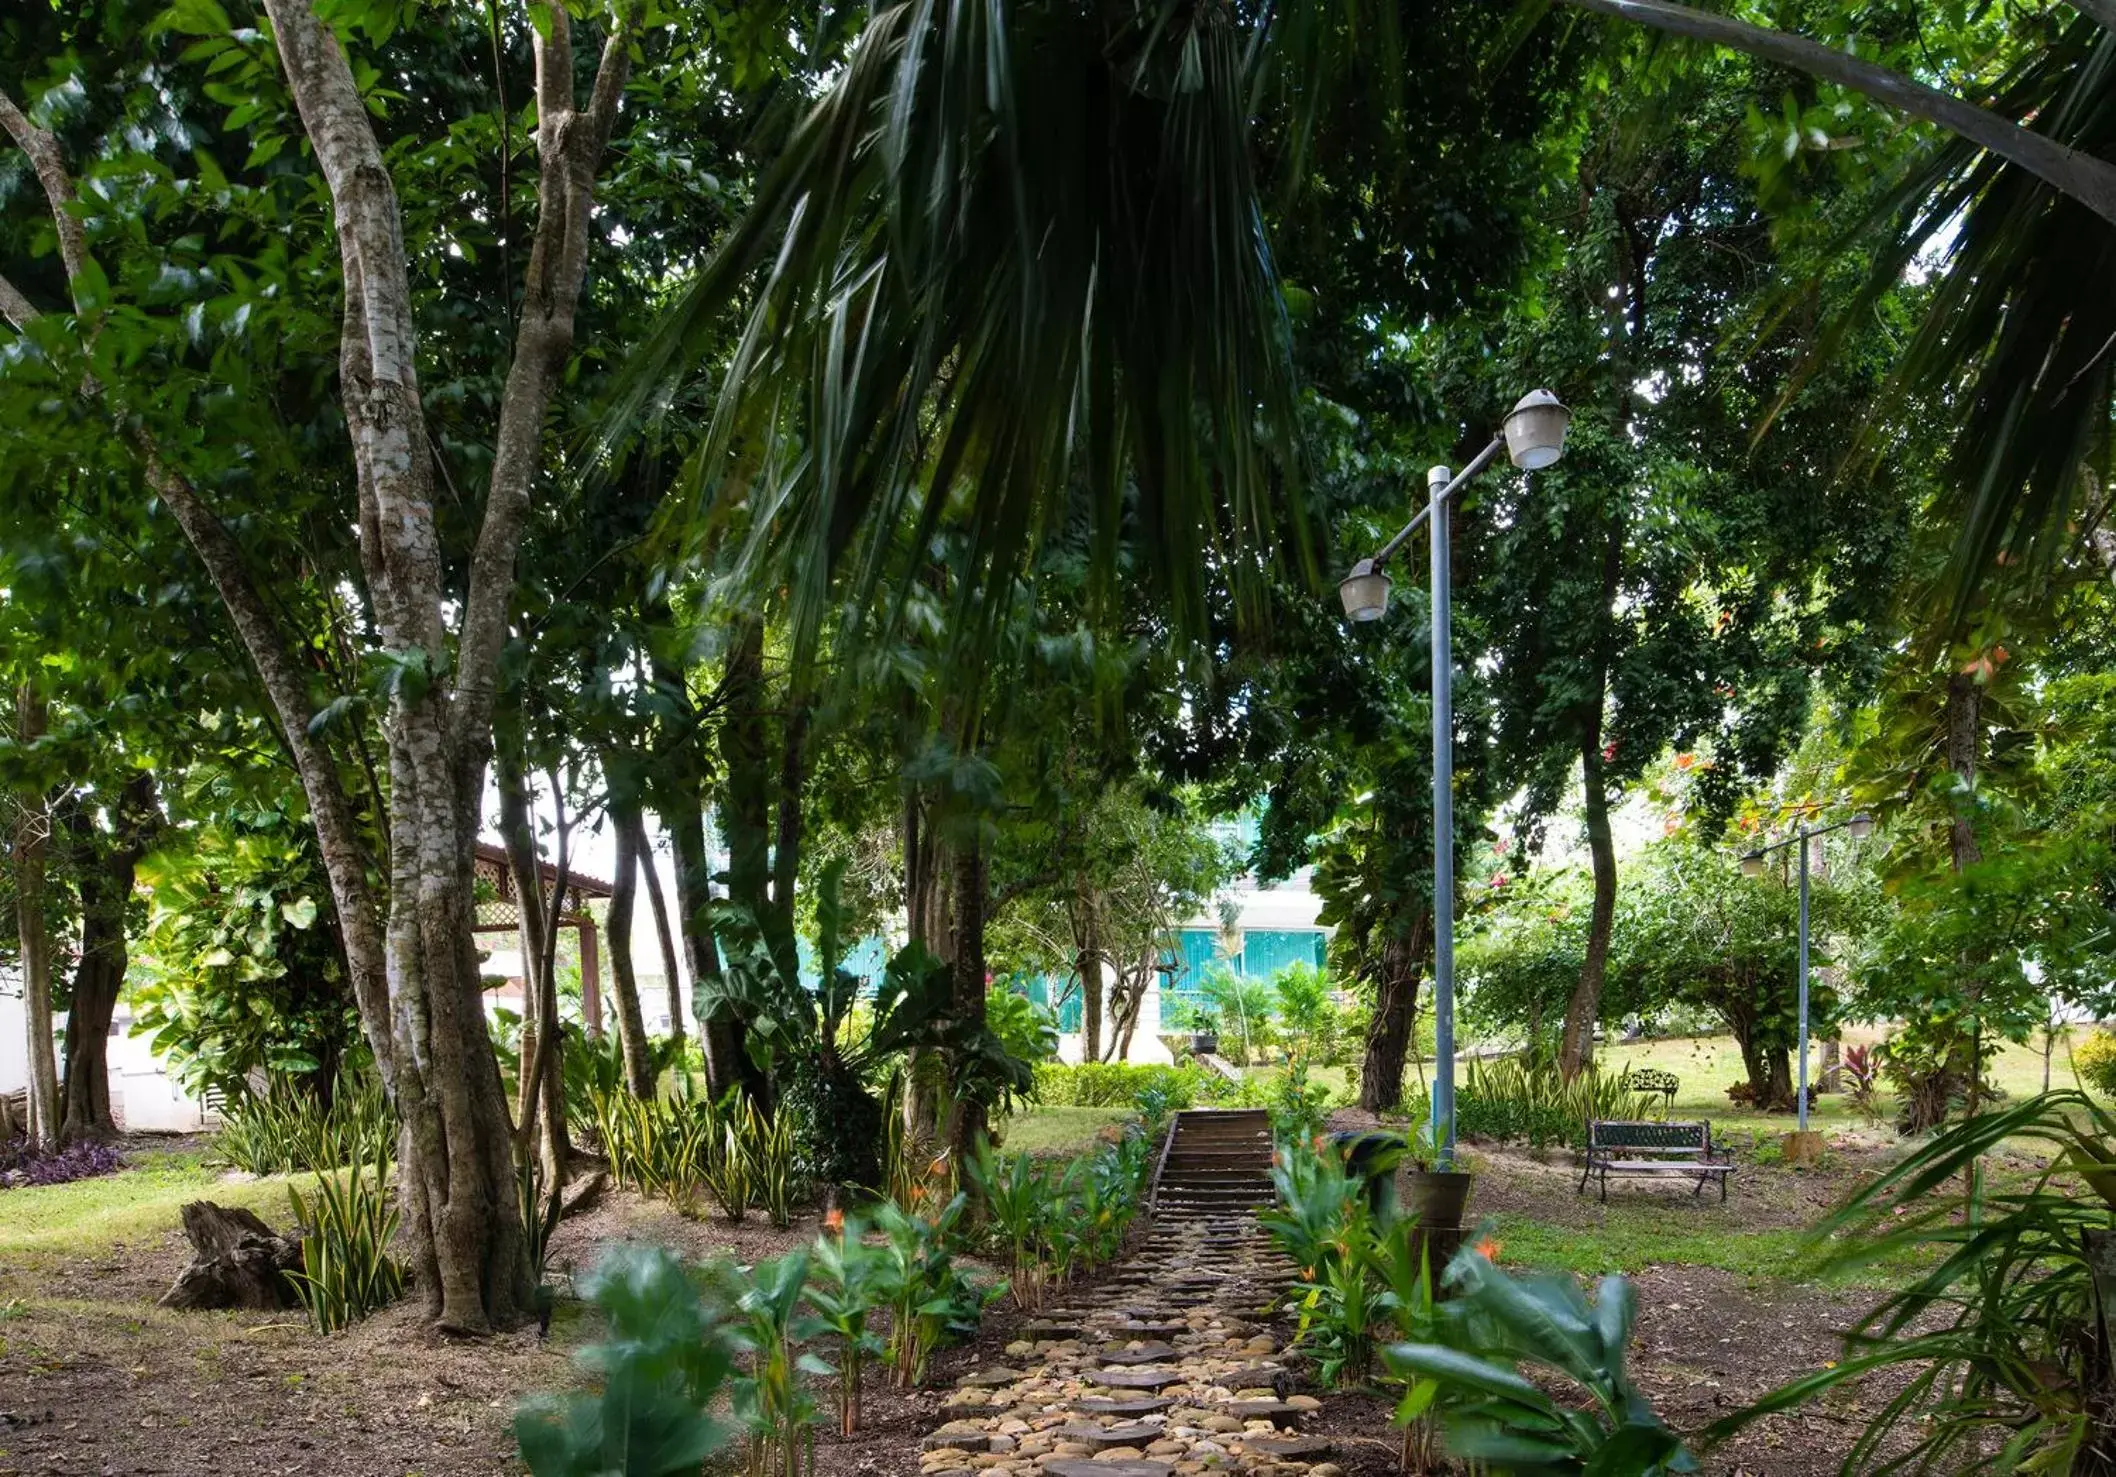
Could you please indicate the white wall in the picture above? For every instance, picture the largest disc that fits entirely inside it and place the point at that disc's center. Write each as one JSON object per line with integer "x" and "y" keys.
{"x": 14, "y": 1035}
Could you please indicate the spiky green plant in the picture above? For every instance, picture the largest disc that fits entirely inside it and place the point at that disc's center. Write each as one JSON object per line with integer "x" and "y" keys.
{"x": 348, "y": 1221}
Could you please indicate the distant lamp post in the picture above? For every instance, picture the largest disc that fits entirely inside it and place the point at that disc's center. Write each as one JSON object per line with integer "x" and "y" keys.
{"x": 1860, "y": 826}
{"x": 1533, "y": 437}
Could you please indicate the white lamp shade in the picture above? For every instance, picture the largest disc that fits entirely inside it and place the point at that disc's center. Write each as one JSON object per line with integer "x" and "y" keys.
{"x": 1365, "y": 592}
{"x": 1861, "y": 826}
{"x": 1535, "y": 430}
{"x": 1752, "y": 864}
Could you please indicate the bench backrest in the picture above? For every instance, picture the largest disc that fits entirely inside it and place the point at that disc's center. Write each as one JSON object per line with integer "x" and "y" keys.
{"x": 1625, "y": 1133}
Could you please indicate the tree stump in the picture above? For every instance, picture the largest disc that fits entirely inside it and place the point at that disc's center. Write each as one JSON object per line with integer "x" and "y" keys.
{"x": 237, "y": 1261}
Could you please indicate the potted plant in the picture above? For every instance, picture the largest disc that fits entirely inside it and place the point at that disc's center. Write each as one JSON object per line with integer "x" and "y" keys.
{"x": 1204, "y": 1031}
{"x": 1437, "y": 1198}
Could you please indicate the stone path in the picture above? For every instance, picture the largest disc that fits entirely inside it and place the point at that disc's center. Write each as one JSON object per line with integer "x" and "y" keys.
{"x": 1176, "y": 1367}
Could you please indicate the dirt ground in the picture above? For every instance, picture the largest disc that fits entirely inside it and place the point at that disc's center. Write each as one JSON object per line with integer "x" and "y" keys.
{"x": 94, "y": 1379}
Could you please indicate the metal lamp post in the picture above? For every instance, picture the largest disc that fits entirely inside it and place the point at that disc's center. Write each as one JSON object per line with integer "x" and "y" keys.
{"x": 1533, "y": 437}
{"x": 1861, "y": 826}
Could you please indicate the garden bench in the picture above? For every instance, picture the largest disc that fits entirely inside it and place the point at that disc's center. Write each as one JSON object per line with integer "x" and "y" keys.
{"x": 1651, "y": 1079}
{"x": 1624, "y": 1146}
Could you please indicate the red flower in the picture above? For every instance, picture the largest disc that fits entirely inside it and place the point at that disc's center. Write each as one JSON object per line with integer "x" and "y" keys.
{"x": 1489, "y": 1248}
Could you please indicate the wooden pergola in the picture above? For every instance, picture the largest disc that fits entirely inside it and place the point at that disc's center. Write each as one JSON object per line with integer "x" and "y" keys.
{"x": 501, "y": 913}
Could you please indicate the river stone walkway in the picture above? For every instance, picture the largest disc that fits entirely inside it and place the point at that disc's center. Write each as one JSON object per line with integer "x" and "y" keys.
{"x": 1178, "y": 1367}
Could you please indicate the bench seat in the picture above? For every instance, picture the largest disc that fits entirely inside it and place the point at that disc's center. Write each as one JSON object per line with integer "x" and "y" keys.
{"x": 1628, "y": 1147}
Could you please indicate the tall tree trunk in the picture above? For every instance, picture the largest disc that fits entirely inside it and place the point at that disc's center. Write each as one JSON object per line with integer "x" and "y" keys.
{"x": 1576, "y": 1049}
{"x": 106, "y": 871}
{"x": 33, "y": 929}
{"x": 926, "y": 904}
{"x": 624, "y": 980}
{"x": 1088, "y": 960}
{"x": 650, "y": 878}
{"x": 719, "y": 1037}
{"x": 1403, "y": 954}
{"x": 967, "y": 1117}
{"x": 415, "y": 976}
{"x": 540, "y": 1095}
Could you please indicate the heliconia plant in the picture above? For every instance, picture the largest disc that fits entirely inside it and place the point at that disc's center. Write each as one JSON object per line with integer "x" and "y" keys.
{"x": 845, "y": 1286}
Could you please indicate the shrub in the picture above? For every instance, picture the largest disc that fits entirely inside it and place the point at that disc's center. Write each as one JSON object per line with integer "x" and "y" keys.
{"x": 22, "y": 1166}
{"x": 1118, "y": 1084}
{"x": 347, "y": 1224}
{"x": 288, "y": 1130}
{"x": 770, "y": 1398}
{"x": 836, "y": 1125}
{"x": 657, "y": 1375}
{"x": 2094, "y": 1060}
{"x": 1526, "y": 1097}
{"x": 1862, "y": 1079}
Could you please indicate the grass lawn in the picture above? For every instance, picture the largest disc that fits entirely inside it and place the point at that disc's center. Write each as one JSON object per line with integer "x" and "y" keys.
{"x": 140, "y": 1203}
{"x": 1044, "y": 1130}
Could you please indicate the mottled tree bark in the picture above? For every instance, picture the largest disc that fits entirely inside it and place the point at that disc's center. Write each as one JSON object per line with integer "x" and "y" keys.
{"x": 664, "y": 937}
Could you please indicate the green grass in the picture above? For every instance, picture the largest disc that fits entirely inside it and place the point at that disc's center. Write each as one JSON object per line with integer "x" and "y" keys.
{"x": 139, "y": 1203}
{"x": 1634, "y": 1237}
{"x": 1056, "y": 1131}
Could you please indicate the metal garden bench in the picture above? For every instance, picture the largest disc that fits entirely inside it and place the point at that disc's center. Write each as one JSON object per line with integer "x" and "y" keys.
{"x": 1623, "y": 1146}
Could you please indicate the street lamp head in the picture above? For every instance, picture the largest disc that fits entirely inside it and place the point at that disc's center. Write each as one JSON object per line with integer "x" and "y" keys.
{"x": 1861, "y": 826}
{"x": 1365, "y": 592}
{"x": 1535, "y": 430}
{"x": 1752, "y": 864}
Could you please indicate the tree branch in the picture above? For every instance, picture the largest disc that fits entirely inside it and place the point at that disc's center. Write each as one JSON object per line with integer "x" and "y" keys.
{"x": 569, "y": 147}
{"x": 44, "y": 157}
{"x": 2087, "y": 179}
{"x": 14, "y": 307}
{"x": 286, "y": 689}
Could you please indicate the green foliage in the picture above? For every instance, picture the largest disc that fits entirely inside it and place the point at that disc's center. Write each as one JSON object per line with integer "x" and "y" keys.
{"x": 2005, "y": 1334}
{"x": 1470, "y": 1372}
{"x": 289, "y": 1129}
{"x": 835, "y": 1122}
{"x": 676, "y": 1146}
{"x": 1026, "y": 1031}
{"x": 844, "y": 1288}
{"x": 1058, "y": 1221}
{"x": 2094, "y": 1060}
{"x": 347, "y": 1221}
{"x": 1118, "y": 1084}
{"x": 1362, "y": 1270}
{"x": 656, "y": 1378}
{"x": 1300, "y": 1109}
{"x": 770, "y": 1395}
{"x": 1244, "y": 1006}
{"x": 1527, "y": 1097}
{"x": 1308, "y": 1020}
{"x": 930, "y": 1299}
{"x": 239, "y": 970}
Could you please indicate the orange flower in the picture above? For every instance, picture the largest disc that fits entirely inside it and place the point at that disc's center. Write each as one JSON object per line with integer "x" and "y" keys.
{"x": 1684, "y": 761}
{"x": 835, "y": 1221}
{"x": 1489, "y": 1248}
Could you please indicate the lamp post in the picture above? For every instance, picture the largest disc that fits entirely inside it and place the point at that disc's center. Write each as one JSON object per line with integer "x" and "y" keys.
{"x": 1533, "y": 437}
{"x": 1861, "y": 826}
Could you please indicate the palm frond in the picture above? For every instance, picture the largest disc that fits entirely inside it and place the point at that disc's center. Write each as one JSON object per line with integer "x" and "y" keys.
{"x": 1008, "y": 272}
